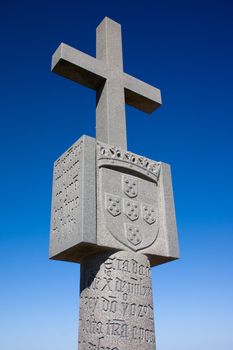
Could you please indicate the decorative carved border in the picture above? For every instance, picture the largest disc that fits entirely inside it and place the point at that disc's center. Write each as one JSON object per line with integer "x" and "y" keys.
{"x": 107, "y": 155}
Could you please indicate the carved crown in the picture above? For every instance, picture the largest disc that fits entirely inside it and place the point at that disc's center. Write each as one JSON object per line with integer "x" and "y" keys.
{"x": 113, "y": 156}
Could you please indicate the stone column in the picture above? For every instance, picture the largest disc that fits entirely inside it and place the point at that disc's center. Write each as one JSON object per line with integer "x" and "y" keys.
{"x": 116, "y": 306}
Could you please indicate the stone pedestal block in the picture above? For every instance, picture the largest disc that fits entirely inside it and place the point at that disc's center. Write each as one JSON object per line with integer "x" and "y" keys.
{"x": 106, "y": 198}
{"x": 116, "y": 306}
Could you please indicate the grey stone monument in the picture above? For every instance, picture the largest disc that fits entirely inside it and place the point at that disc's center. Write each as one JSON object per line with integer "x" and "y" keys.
{"x": 112, "y": 210}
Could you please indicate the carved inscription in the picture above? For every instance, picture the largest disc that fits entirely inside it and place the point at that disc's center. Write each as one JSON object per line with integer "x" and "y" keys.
{"x": 116, "y": 308}
{"x": 66, "y": 195}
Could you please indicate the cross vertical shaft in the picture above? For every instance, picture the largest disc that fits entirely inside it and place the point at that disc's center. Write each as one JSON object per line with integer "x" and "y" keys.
{"x": 110, "y": 101}
{"x": 104, "y": 74}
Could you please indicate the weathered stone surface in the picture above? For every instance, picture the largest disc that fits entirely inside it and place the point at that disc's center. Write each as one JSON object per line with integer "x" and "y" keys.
{"x": 73, "y": 219}
{"x": 135, "y": 206}
{"x": 105, "y": 75}
{"x": 129, "y": 207}
{"x": 116, "y": 306}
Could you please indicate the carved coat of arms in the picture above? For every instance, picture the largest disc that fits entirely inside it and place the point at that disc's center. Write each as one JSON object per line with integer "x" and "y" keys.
{"x": 131, "y": 209}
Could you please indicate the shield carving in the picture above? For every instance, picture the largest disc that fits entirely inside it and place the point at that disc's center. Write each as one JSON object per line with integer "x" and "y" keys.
{"x": 113, "y": 204}
{"x": 131, "y": 209}
{"x": 148, "y": 213}
{"x": 133, "y": 223}
{"x": 130, "y": 186}
{"x": 133, "y": 234}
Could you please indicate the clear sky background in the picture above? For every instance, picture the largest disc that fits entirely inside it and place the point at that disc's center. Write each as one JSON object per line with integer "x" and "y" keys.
{"x": 185, "y": 48}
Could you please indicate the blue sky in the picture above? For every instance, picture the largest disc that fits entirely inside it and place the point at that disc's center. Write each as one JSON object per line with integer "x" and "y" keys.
{"x": 185, "y": 49}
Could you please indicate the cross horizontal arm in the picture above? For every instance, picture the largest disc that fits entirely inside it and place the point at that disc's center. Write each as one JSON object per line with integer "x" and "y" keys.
{"x": 141, "y": 95}
{"x": 78, "y": 66}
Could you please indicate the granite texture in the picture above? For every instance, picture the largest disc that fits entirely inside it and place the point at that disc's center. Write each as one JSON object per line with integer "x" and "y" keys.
{"x": 73, "y": 219}
{"x": 107, "y": 198}
{"x": 135, "y": 206}
{"x": 105, "y": 74}
{"x": 116, "y": 306}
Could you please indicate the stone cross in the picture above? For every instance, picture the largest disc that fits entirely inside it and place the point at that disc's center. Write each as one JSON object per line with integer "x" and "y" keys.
{"x": 113, "y": 87}
{"x": 112, "y": 210}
